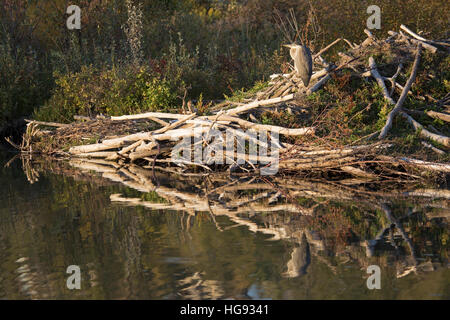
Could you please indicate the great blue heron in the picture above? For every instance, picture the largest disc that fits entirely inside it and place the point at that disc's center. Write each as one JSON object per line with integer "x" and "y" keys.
{"x": 302, "y": 61}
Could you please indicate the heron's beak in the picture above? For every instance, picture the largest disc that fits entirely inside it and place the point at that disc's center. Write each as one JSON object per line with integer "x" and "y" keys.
{"x": 288, "y": 45}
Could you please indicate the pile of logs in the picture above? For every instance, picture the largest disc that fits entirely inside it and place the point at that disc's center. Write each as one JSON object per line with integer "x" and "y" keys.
{"x": 152, "y": 147}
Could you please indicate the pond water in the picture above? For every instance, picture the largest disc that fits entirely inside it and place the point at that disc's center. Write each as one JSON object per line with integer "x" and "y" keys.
{"x": 131, "y": 244}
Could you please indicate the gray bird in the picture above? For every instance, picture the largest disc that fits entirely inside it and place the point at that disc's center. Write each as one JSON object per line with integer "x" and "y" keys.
{"x": 302, "y": 61}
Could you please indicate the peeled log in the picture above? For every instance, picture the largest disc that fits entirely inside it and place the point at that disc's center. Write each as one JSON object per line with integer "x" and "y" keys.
{"x": 281, "y": 130}
{"x": 145, "y": 151}
{"x": 425, "y": 133}
{"x": 172, "y": 135}
{"x": 398, "y": 106}
{"x": 256, "y": 104}
{"x": 149, "y": 115}
{"x": 438, "y": 115}
{"x": 374, "y": 72}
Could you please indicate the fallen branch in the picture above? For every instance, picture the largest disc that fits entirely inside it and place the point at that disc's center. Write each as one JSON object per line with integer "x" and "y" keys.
{"x": 424, "y": 132}
{"x": 374, "y": 72}
{"x": 48, "y": 124}
{"x": 256, "y": 104}
{"x": 438, "y": 151}
{"x": 255, "y": 126}
{"x": 438, "y": 115}
{"x": 402, "y": 98}
{"x": 433, "y": 166}
{"x": 425, "y": 42}
{"x": 149, "y": 115}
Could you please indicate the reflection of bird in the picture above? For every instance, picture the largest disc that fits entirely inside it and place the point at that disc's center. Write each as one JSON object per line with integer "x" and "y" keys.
{"x": 300, "y": 260}
{"x": 302, "y": 61}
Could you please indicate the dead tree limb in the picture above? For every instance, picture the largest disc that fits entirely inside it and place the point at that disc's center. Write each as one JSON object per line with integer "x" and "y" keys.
{"x": 402, "y": 98}
{"x": 424, "y": 132}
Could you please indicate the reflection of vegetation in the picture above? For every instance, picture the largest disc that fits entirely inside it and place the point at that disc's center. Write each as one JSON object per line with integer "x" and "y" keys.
{"x": 133, "y": 252}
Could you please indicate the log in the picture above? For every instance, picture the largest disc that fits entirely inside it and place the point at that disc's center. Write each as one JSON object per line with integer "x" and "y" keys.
{"x": 161, "y": 122}
{"x": 415, "y": 35}
{"x": 320, "y": 73}
{"x": 317, "y": 165}
{"x": 429, "y": 193}
{"x": 358, "y": 172}
{"x": 424, "y": 132}
{"x": 402, "y": 98}
{"x": 326, "y": 48}
{"x": 172, "y": 135}
{"x": 149, "y": 115}
{"x": 48, "y": 124}
{"x": 425, "y": 42}
{"x": 368, "y": 33}
{"x": 438, "y": 115}
{"x": 131, "y": 147}
{"x": 426, "y": 45}
{"x": 433, "y": 166}
{"x": 143, "y": 151}
{"x": 319, "y": 83}
{"x": 175, "y": 124}
{"x": 438, "y": 151}
{"x": 374, "y": 72}
{"x": 255, "y": 126}
{"x": 280, "y": 91}
{"x": 256, "y": 104}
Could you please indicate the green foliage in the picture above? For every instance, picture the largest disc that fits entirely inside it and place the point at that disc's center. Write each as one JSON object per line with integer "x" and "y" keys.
{"x": 240, "y": 95}
{"x": 207, "y": 47}
{"x": 23, "y": 83}
{"x": 109, "y": 92}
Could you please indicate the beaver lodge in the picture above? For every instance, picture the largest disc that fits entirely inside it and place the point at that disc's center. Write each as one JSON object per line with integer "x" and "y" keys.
{"x": 373, "y": 115}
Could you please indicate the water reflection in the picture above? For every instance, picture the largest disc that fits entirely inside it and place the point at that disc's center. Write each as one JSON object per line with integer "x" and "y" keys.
{"x": 138, "y": 234}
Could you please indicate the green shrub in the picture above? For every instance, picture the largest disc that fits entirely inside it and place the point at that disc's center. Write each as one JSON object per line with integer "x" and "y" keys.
{"x": 24, "y": 83}
{"x": 110, "y": 92}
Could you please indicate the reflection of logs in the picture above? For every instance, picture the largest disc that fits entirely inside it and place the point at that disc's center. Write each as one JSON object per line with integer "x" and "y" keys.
{"x": 271, "y": 198}
{"x": 227, "y": 200}
{"x": 399, "y": 226}
{"x": 141, "y": 179}
{"x": 195, "y": 287}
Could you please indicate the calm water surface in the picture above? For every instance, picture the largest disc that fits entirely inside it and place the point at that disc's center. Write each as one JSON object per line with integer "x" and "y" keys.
{"x": 128, "y": 251}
